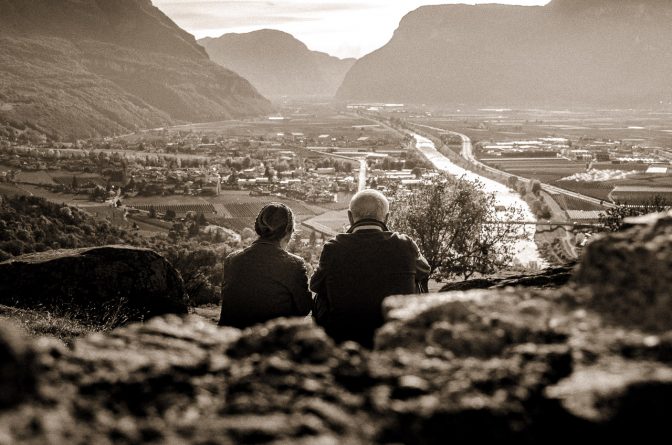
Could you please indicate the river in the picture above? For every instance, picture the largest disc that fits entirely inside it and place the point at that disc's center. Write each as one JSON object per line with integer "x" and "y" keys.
{"x": 527, "y": 252}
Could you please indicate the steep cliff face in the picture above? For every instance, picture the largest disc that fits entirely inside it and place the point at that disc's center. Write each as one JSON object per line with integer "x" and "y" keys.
{"x": 278, "y": 64}
{"x": 566, "y": 53}
{"x": 507, "y": 366}
{"x": 83, "y": 68}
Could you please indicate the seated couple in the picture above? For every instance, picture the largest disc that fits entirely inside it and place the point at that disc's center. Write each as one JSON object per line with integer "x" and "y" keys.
{"x": 357, "y": 270}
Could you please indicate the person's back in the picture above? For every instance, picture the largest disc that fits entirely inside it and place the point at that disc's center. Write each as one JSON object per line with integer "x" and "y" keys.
{"x": 264, "y": 281}
{"x": 357, "y": 271}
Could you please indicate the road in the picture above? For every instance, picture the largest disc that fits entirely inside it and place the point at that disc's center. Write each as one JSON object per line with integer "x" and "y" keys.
{"x": 361, "y": 184}
{"x": 363, "y": 167}
{"x": 467, "y": 153}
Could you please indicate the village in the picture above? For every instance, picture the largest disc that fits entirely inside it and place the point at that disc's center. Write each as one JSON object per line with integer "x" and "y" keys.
{"x": 160, "y": 175}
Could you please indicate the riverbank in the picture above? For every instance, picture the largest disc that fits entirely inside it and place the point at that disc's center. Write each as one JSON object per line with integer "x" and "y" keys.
{"x": 528, "y": 253}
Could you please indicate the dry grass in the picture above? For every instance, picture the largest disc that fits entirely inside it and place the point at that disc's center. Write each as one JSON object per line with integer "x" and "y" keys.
{"x": 41, "y": 322}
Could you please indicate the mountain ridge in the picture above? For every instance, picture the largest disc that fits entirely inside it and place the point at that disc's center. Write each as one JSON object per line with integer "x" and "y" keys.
{"x": 566, "y": 53}
{"x": 278, "y": 64}
{"x": 77, "y": 69}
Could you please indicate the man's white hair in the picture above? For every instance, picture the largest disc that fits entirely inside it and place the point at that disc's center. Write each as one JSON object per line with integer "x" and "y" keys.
{"x": 369, "y": 204}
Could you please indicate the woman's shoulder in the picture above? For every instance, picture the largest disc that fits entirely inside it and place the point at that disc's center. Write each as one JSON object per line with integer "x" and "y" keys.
{"x": 234, "y": 255}
{"x": 293, "y": 259}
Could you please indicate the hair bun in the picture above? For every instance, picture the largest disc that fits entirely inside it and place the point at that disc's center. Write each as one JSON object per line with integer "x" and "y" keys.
{"x": 274, "y": 221}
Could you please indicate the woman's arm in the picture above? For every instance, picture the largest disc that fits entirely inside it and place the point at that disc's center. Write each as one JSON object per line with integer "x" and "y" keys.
{"x": 303, "y": 298}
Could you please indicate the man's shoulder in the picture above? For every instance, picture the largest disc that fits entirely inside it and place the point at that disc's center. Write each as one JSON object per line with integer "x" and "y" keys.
{"x": 347, "y": 239}
{"x": 403, "y": 237}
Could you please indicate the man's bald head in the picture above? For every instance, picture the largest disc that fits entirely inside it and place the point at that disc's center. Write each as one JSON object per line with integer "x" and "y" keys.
{"x": 369, "y": 204}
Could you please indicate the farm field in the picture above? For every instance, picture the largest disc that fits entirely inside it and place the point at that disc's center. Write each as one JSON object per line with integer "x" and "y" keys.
{"x": 177, "y": 208}
{"x": 647, "y": 127}
{"x": 558, "y": 171}
{"x": 546, "y": 171}
{"x": 571, "y": 203}
{"x": 231, "y": 203}
{"x": 336, "y": 220}
{"x": 11, "y": 190}
{"x": 53, "y": 177}
{"x": 311, "y": 123}
{"x": 234, "y": 209}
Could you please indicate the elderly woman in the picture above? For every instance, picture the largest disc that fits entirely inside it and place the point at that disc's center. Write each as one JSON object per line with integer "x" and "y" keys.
{"x": 264, "y": 281}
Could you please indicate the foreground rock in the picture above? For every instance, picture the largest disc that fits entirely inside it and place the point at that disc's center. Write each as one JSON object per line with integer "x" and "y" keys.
{"x": 17, "y": 372}
{"x": 504, "y": 366}
{"x": 630, "y": 273}
{"x": 110, "y": 285}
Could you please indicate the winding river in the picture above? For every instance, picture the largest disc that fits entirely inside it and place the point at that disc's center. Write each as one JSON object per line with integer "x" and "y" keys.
{"x": 527, "y": 251}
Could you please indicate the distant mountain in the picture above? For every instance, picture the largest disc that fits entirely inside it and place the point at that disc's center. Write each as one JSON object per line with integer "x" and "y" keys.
{"x": 73, "y": 68}
{"x": 568, "y": 53}
{"x": 278, "y": 64}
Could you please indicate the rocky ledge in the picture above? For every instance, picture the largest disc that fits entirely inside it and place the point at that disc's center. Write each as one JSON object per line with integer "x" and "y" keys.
{"x": 507, "y": 365}
{"x": 106, "y": 285}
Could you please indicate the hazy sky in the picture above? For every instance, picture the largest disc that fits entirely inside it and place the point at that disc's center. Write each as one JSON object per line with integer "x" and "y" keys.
{"x": 344, "y": 28}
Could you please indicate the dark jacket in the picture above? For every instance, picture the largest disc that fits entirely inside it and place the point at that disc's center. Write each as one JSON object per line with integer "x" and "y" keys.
{"x": 356, "y": 272}
{"x": 263, "y": 282}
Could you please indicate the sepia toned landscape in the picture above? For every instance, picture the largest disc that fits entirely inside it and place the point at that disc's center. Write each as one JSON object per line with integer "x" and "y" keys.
{"x": 524, "y": 149}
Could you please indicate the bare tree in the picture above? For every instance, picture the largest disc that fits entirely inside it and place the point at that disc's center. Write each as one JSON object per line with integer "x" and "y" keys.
{"x": 457, "y": 227}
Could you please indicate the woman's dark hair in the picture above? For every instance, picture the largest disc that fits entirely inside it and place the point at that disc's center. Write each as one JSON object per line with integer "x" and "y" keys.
{"x": 274, "y": 222}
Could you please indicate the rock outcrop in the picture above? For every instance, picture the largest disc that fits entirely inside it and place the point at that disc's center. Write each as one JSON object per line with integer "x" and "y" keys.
{"x": 506, "y": 366}
{"x": 106, "y": 285}
{"x": 553, "y": 277}
{"x": 630, "y": 273}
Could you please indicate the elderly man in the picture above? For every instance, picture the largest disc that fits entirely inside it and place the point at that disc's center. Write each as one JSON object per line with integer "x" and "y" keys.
{"x": 360, "y": 268}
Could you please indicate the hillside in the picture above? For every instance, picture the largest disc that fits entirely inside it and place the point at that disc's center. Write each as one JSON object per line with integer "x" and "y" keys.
{"x": 278, "y": 64}
{"x": 29, "y": 224}
{"x": 568, "y": 53}
{"x": 79, "y": 69}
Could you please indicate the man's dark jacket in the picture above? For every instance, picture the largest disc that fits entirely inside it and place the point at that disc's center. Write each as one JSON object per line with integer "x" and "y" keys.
{"x": 357, "y": 271}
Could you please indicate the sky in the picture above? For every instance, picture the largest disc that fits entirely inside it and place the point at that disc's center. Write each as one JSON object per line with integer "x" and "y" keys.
{"x": 343, "y": 28}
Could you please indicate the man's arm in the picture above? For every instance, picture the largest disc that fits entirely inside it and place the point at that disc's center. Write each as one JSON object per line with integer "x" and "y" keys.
{"x": 422, "y": 268}
{"x": 227, "y": 277}
{"x": 318, "y": 282}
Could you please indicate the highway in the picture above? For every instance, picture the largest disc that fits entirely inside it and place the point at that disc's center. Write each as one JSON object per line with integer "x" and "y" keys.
{"x": 361, "y": 185}
{"x": 467, "y": 153}
{"x": 363, "y": 167}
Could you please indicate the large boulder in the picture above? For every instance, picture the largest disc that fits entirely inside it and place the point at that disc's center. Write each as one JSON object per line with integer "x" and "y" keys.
{"x": 109, "y": 285}
{"x": 629, "y": 273}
